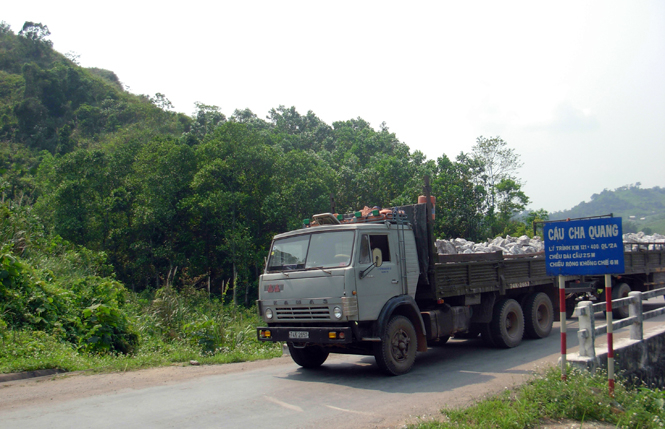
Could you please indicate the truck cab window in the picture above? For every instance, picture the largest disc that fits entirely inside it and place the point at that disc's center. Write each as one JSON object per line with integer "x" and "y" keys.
{"x": 370, "y": 242}
{"x": 364, "y": 250}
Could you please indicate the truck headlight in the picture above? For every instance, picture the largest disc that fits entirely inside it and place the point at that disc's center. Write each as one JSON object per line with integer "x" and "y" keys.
{"x": 337, "y": 312}
{"x": 268, "y": 314}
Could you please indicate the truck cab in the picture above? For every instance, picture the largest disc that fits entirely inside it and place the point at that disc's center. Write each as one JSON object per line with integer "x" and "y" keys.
{"x": 326, "y": 288}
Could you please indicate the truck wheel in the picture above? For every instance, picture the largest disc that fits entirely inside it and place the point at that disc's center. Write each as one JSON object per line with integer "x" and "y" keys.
{"x": 620, "y": 291}
{"x": 309, "y": 356}
{"x": 538, "y": 315}
{"x": 507, "y": 325}
{"x": 396, "y": 352}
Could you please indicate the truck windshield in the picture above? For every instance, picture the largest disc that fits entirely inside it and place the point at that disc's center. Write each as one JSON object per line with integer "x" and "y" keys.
{"x": 319, "y": 250}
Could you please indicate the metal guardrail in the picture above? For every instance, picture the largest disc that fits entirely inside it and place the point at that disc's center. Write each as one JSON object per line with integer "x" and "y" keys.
{"x": 588, "y": 332}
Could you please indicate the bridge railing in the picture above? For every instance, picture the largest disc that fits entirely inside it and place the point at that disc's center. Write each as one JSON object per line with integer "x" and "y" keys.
{"x": 586, "y": 310}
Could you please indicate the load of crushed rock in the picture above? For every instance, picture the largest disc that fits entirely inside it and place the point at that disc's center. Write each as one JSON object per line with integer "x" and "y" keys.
{"x": 524, "y": 245}
{"x": 508, "y": 246}
{"x": 642, "y": 241}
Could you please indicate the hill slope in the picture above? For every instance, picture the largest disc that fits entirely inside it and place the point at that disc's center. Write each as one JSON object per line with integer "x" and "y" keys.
{"x": 641, "y": 209}
{"x": 48, "y": 102}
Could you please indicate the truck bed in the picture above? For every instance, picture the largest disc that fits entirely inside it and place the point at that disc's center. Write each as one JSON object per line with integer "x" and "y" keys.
{"x": 457, "y": 275}
{"x": 488, "y": 273}
{"x": 640, "y": 260}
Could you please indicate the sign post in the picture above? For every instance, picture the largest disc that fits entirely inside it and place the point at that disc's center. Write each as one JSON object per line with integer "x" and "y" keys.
{"x": 610, "y": 333}
{"x": 585, "y": 247}
{"x": 562, "y": 324}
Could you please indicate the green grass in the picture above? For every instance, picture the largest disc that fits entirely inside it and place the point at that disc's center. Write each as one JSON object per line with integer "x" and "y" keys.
{"x": 172, "y": 327}
{"x": 583, "y": 398}
{"x": 33, "y": 350}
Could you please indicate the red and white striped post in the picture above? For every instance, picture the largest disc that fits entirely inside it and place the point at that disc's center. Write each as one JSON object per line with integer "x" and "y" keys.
{"x": 610, "y": 334}
{"x": 562, "y": 318}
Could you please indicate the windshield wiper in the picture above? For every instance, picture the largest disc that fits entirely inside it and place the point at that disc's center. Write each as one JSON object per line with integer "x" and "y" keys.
{"x": 318, "y": 268}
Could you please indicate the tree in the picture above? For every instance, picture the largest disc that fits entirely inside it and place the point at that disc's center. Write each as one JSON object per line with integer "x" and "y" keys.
{"x": 5, "y": 28}
{"x": 234, "y": 174}
{"x": 73, "y": 189}
{"x": 374, "y": 167}
{"x": 496, "y": 174}
{"x": 293, "y": 131}
{"x": 510, "y": 201}
{"x": 35, "y": 36}
{"x": 249, "y": 118}
{"x": 535, "y": 216}
{"x": 161, "y": 101}
{"x": 460, "y": 202}
{"x": 36, "y": 32}
{"x": 499, "y": 163}
{"x": 207, "y": 118}
{"x": 162, "y": 176}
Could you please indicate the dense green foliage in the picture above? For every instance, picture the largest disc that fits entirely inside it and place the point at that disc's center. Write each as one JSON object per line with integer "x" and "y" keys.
{"x": 583, "y": 398}
{"x": 27, "y": 350}
{"x": 640, "y": 209}
{"x": 50, "y": 285}
{"x": 60, "y": 306}
{"x": 200, "y": 198}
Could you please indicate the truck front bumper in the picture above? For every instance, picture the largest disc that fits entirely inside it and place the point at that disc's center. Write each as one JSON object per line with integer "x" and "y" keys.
{"x": 299, "y": 334}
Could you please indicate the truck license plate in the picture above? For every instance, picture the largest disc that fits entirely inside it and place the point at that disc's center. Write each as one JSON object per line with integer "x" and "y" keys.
{"x": 299, "y": 334}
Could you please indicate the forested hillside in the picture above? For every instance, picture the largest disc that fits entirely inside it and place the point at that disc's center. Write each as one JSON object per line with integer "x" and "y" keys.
{"x": 640, "y": 209}
{"x": 199, "y": 198}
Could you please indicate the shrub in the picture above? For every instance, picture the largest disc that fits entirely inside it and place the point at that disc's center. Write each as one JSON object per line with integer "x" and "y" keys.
{"x": 107, "y": 330}
{"x": 29, "y": 299}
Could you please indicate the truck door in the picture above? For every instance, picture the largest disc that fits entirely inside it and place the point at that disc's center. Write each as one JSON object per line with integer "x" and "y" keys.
{"x": 376, "y": 284}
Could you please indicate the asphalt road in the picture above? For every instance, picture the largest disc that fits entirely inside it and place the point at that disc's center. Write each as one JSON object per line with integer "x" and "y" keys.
{"x": 348, "y": 391}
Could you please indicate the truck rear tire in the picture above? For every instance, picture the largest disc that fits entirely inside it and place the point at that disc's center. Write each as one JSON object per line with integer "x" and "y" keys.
{"x": 507, "y": 325}
{"x": 396, "y": 352}
{"x": 538, "y": 315}
{"x": 309, "y": 356}
{"x": 620, "y": 291}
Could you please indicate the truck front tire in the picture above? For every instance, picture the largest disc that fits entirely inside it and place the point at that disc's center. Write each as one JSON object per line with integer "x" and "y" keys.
{"x": 538, "y": 315}
{"x": 396, "y": 352}
{"x": 507, "y": 326}
{"x": 308, "y": 356}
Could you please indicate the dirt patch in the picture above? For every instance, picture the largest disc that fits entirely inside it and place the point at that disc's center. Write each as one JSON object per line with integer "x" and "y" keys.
{"x": 70, "y": 386}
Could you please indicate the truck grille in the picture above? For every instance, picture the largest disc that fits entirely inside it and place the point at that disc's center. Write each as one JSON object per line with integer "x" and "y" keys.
{"x": 302, "y": 313}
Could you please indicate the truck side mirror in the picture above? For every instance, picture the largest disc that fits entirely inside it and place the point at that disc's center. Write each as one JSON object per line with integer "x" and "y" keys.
{"x": 378, "y": 261}
{"x": 378, "y": 257}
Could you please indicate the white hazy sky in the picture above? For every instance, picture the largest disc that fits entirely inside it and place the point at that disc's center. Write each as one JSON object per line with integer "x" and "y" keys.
{"x": 577, "y": 88}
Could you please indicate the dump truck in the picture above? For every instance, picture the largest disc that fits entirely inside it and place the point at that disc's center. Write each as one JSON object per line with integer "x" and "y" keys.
{"x": 371, "y": 283}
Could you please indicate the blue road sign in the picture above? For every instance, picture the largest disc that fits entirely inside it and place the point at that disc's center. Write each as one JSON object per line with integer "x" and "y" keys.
{"x": 584, "y": 247}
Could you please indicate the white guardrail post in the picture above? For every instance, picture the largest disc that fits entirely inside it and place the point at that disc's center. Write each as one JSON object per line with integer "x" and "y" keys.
{"x": 586, "y": 333}
{"x": 635, "y": 310}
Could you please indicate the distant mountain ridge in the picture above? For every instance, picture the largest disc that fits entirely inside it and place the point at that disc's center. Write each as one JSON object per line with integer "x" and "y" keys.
{"x": 641, "y": 209}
